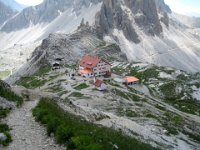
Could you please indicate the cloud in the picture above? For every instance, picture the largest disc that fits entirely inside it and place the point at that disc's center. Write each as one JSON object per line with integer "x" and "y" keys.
{"x": 29, "y": 2}
{"x": 181, "y": 7}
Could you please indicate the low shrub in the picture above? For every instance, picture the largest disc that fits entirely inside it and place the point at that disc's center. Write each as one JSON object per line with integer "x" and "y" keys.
{"x": 76, "y": 133}
{"x": 6, "y": 93}
{"x": 5, "y": 130}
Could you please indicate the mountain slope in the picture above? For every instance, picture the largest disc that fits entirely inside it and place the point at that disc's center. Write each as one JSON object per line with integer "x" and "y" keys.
{"x": 45, "y": 13}
{"x": 151, "y": 33}
{"x": 145, "y": 30}
{"x": 13, "y": 4}
{"x": 5, "y": 13}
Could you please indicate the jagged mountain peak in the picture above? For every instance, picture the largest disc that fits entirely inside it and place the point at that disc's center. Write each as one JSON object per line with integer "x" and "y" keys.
{"x": 45, "y": 12}
{"x": 121, "y": 14}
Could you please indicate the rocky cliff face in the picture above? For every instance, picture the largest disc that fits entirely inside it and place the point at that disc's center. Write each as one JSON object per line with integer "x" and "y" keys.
{"x": 5, "y": 13}
{"x": 44, "y": 13}
{"x": 122, "y": 14}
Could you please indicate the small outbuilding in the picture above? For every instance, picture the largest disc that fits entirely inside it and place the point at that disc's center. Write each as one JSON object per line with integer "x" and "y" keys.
{"x": 55, "y": 66}
{"x": 100, "y": 85}
{"x": 130, "y": 80}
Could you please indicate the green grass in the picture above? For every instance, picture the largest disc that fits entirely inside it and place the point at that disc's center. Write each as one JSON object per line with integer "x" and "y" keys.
{"x": 34, "y": 81}
{"x": 81, "y": 86}
{"x": 173, "y": 98}
{"x": 169, "y": 90}
{"x": 4, "y": 112}
{"x": 127, "y": 112}
{"x": 172, "y": 122}
{"x": 9, "y": 95}
{"x": 4, "y": 74}
{"x": 120, "y": 93}
{"x": 195, "y": 137}
{"x": 160, "y": 107}
{"x": 188, "y": 104}
{"x": 130, "y": 113}
{"x": 151, "y": 116}
{"x": 31, "y": 82}
{"x": 55, "y": 88}
{"x": 71, "y": 66}
{"x": 126, "y": 95}
{"x": 76, "y": 133}
{"x": 76, "y": 94}
{"x": 43, "y": 70}
{"x": 5, "y": 129}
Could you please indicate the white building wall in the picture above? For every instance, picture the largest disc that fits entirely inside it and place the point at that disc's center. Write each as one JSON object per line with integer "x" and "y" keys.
{"x": 101, "y": 69}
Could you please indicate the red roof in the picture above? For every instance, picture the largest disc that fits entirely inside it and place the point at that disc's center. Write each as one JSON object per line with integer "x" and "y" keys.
{"x": 98, "y": 83}
{"x": 130, "y": 79}
{"x": 89, "y": 61}
{"x": 85, "y": 71}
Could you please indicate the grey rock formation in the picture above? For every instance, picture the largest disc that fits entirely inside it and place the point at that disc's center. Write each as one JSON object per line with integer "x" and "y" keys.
{"x": 162, "y": 7}
{"x": 5, "y": 13}
{"x": 44, "y": 13}
{"x": 4, "y": 84}
{"x": 4, "y": 103}
{"x": 148, "y": 16}
{"x": 145, "y": 13}
{"x": 112, "y": 16}
{"x": 2, "y": 137}
{"x": 69, "y": 48}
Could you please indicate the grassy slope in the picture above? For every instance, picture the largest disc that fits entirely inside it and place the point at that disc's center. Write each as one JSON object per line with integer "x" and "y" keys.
{"x": 9, "y": 95}
{"x": 34, "y": 81}
{"x": 76, "y": 133}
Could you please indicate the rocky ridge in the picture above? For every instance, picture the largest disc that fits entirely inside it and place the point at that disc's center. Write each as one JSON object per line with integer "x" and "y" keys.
{"x": 5, "y": 13}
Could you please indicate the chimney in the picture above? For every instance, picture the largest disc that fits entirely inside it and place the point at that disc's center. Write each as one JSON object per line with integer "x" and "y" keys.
{"x": 94, "y": 79}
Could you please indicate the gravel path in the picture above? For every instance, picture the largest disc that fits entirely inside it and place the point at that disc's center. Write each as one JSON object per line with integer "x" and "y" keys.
{"x": 26, "y": 133}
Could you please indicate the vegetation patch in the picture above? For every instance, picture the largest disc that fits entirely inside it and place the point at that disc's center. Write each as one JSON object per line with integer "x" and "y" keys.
{"x": 6, "y": 93}
{"x": 160, "y": 107}
{"x": 172, "y": 122}
{"x": 120, "y": 93}
{"x": 195, "y": 137}
{"x": 76, "y": 94}
{"x": 4, "y": 74}
{"x": 71, "y": 66}
{"x": 76, "y": 133}
{"x": 126, "y": 95}
{"x": 35, "y": 80}
{"x": 4, "y": 112}
{"x": 5, "y": 130}
{"x": 81, "y": 86}
{"x": 31, "y": 82}
{"x": 56, "y": 88}
{"x": 43, "y": 70}
{"x": 169, "y": 90}
{"x": 151, "y": 116}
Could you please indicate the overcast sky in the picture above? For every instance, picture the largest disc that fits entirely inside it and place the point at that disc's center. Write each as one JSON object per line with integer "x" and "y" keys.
{"x": 186, "y": 7}
{"x": 29, "y": 2}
